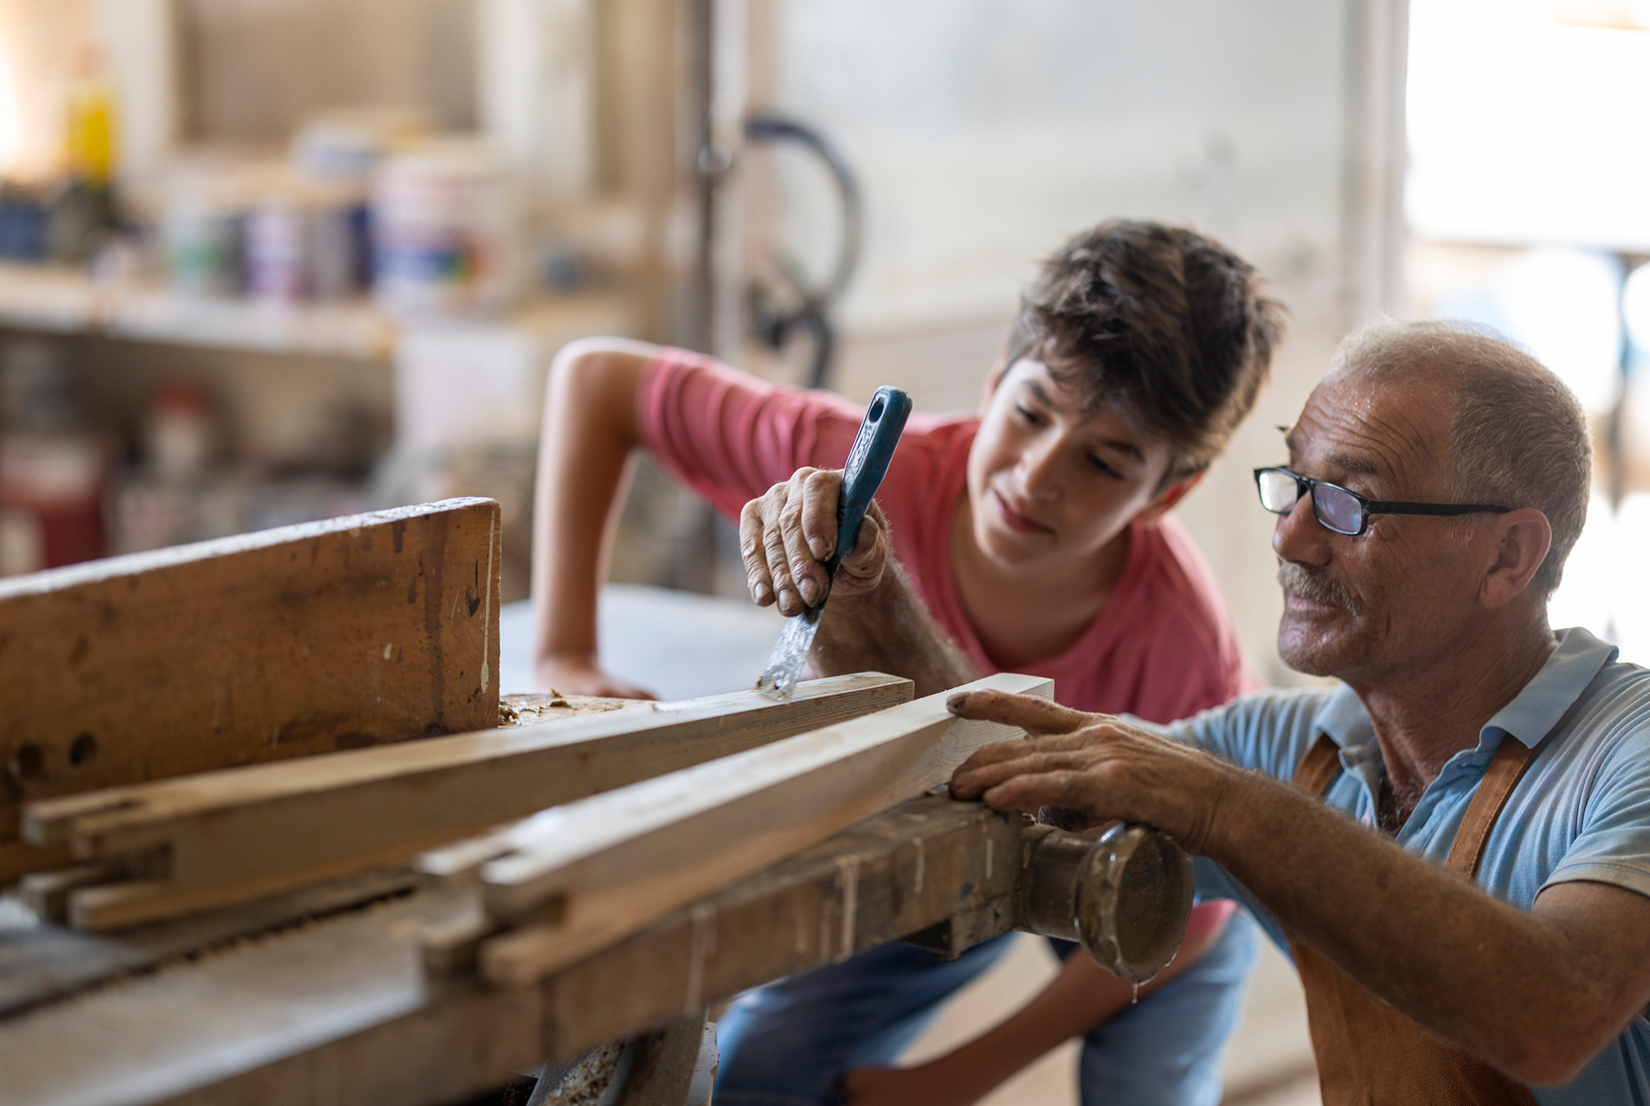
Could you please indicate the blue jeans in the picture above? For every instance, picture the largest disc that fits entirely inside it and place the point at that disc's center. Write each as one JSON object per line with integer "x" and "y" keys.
{"x": 789, "y": 1043}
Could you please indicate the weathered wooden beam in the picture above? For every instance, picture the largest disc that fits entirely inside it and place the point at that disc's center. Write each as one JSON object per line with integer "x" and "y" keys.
{"x": 305, "y": 639}
{"x": 237, "y": 835}
{"x": 916, "y": 867}
{"x": 40, "y": 961}
{"x": 578, "y": 878}
{"x": 340, "y": 1010}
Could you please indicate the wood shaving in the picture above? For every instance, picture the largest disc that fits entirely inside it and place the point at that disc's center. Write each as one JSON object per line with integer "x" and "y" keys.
{"x": 584, "y": 1084}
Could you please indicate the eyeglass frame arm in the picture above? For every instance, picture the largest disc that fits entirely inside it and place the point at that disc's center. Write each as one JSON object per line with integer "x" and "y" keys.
{"x": 1305, "y": 486}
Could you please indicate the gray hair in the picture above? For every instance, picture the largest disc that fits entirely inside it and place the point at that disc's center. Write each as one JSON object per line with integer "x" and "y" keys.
{"x": 1517, "y": 435}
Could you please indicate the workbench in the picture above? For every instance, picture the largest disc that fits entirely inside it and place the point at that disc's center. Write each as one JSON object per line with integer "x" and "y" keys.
{"x": 311, "y": 960}
{"x": 335, "y": 1005}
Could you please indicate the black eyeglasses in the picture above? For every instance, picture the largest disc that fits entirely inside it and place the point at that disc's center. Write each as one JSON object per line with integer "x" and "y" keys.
{"x": 1346, "y": 512}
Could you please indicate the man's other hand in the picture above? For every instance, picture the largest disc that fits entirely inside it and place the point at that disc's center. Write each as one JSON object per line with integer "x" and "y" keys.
{"x": 581, "y": 675}
{"x": 1092, "y": 764}
{"x": 787, "y": 535}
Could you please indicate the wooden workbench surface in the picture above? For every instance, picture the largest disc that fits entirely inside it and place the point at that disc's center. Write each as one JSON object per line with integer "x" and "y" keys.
{"x": 339, "y": 1008}
{"x": 40, "y": 963}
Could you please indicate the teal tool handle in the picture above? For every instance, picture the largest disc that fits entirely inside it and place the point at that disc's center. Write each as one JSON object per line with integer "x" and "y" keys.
{"x": 867, "y": 464}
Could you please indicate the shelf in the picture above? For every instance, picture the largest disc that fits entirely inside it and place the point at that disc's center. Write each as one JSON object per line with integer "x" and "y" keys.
{"x": 64, "y": 300}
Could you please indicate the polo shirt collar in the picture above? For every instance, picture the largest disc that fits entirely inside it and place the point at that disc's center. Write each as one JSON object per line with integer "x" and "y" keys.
{"x": 1529, "y": 717}
{"x": 1536, "y": 709}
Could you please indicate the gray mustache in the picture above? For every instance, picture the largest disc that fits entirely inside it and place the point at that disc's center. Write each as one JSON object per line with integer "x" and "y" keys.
{"x": 1318, "y": 589}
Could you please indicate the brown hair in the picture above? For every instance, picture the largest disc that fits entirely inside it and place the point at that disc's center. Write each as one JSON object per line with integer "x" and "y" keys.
{"x": 1517, "y": 436}
{"x": 1159, "y": 321}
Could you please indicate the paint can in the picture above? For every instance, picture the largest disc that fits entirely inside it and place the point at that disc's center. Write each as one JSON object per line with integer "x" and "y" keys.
{"x": 301, "y": 241}
{"x": 444, "y": 232}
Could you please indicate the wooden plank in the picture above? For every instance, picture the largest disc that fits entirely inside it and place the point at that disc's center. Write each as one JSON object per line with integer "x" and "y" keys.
{"x": 340, "y": 1012}
{"x": 582, "y": 876}
{"x": 240, "y": 834}
{"x": 305, "y": 639}
{"x": 915, "y": 867}
{"x": 43, "y": 963}
{"x": 162, "y": 1034}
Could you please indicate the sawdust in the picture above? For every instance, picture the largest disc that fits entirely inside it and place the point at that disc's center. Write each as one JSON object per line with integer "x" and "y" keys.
{"x": 525, "y": 709}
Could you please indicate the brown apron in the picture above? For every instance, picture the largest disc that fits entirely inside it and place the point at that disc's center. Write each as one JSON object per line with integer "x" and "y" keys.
{"x": 1369, "y": 1054}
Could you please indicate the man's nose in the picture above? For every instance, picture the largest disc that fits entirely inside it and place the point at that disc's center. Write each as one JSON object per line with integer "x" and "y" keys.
{"x": 1299, "y": 537}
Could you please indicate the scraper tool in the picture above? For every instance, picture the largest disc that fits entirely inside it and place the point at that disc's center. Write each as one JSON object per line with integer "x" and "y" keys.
{"x": 867, "y": 463}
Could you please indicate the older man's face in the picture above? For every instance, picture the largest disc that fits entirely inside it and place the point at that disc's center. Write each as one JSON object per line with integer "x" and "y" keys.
{"x": 1401, "y": 594}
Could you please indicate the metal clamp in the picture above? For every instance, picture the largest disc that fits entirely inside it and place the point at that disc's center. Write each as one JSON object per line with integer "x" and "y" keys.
{"x": 1125, "y": 897}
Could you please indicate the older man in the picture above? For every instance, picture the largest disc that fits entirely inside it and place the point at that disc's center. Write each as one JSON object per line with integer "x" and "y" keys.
{"x": 1454, "y": 844}
{"x": 1462, "y": 867}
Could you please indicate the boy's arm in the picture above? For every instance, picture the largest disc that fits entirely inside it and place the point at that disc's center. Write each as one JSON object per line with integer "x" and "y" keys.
{"x": 875, "y": 621}
{"x": 584, "y": 460}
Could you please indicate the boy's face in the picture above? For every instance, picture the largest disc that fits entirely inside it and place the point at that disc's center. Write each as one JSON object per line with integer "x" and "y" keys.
{"x": 1047, "y": 481}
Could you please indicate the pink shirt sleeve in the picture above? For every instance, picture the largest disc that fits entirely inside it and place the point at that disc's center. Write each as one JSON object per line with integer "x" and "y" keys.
{"x": 729, "y": 436}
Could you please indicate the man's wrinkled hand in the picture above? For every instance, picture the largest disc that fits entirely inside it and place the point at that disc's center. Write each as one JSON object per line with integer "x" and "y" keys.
{"x": 1089, "y": 763}
{"x": 787, "y": 535}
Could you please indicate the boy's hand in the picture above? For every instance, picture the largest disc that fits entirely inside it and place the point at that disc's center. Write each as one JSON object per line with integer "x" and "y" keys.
{"x": 581, "y": 675}
{"x": 788, "y": 534}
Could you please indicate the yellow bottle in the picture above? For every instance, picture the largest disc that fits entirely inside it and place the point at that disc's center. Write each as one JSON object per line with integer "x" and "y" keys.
{"x": 89, "y": 137}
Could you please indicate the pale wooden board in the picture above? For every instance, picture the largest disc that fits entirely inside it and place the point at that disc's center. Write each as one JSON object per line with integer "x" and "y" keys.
{"x": 920, "y": 864}
{"x": 358, "y": 631}
{"x": 606, "y": 866}
{"x": 340, "y": 1011}
{"x": 41, "y": 963}
{"x": 240, "y": 834}
{"x": 192, "y": 1025}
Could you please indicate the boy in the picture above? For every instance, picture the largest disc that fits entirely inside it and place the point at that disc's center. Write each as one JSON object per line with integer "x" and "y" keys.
{"x": 1036, "y": 537}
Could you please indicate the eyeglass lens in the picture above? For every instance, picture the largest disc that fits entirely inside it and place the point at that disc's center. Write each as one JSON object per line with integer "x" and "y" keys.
{"x": 1335, "y": 507}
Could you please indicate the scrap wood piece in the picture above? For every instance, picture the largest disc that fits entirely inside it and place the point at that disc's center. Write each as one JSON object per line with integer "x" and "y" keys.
{"x": 580, "y": 877}
{"x": 356, "y": 631}
{"x": 235, "y": 835}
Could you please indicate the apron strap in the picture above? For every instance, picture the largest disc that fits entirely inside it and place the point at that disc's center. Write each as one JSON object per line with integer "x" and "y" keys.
{"x": 1512, "y": 759}
{"x": 1319, "y": 767}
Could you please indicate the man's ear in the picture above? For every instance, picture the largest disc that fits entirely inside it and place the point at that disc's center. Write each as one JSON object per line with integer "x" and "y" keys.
{"x": 993, "y": 378}
{"x": 1163, "y": 502}
{"x": 1522, "y": 540}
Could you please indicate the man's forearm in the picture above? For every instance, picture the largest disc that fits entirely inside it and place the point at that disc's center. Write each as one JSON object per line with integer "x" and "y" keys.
{"x": 889, "y": 630}
{"x": 1505, "y": 984}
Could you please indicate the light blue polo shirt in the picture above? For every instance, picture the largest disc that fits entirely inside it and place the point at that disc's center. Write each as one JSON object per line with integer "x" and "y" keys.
{"x": 1581, "y": 812}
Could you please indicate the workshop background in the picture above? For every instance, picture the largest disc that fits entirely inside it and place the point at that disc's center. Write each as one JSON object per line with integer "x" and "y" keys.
{"x": 264, "y": 261}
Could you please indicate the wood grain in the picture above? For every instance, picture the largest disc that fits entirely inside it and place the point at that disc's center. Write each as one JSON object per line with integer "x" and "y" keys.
{"x": 357, "y": 631}
{"x": 339, "y": 1011}
{"x": 240, "y": 834}
{"x": 582, "y": 876}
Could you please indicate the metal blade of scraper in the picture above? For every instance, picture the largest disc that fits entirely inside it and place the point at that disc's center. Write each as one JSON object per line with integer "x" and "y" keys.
{"x": 867, "y": 463}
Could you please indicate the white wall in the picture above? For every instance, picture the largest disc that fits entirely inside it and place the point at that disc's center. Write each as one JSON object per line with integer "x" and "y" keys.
{"x": 985, "y": 131}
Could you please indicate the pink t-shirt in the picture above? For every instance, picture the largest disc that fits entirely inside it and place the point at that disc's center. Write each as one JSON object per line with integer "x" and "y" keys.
{"x": 1162, "y": 648}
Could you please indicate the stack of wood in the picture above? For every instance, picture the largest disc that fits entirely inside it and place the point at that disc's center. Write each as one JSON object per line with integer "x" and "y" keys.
{"x": 310, "y": 713}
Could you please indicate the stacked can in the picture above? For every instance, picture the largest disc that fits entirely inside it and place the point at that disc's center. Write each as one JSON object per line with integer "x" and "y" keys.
{"x": 442, "y": 232}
